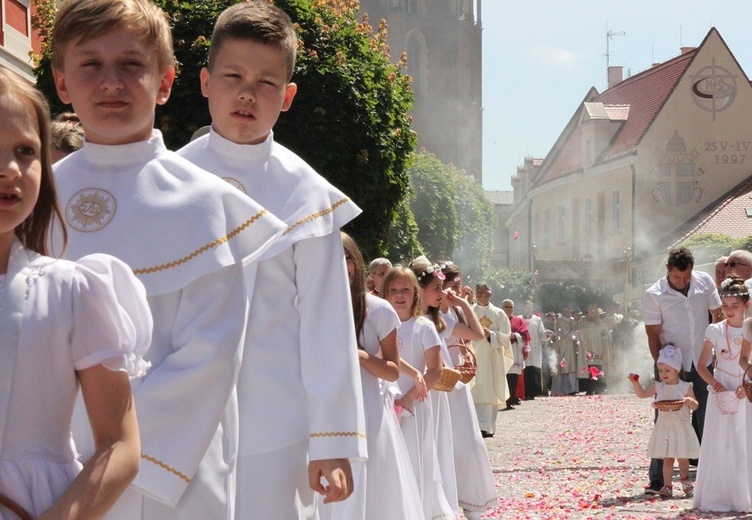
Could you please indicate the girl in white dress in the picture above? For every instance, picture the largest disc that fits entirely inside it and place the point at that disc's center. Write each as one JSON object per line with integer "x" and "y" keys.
{"x": 420, "y": 353}
{"x": 476, "y": 490}
{"x": 723, "y": 482}
{"x": 62, "y": 324}
{"x": 430, "y": 278}
{"x": 673, "y": 437}
{"x": 385, "y": 485}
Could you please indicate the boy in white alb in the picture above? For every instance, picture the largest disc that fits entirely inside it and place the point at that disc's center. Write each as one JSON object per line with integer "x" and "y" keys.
{"x": 183, "y": 232}
{"x": 301, "y": 410}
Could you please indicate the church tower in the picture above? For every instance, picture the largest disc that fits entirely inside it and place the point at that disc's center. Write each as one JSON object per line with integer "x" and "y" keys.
{"x": 442, "y": 39}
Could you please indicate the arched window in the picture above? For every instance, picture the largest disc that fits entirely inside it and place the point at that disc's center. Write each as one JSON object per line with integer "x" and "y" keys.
{"x": 417, "y": 61}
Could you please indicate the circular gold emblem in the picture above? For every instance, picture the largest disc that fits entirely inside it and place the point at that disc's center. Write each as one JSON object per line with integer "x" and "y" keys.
{"x": 236, "y": 183}
{"x": 90, "y": 209}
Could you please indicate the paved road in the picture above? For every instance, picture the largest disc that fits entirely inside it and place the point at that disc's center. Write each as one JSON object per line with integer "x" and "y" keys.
{"x": 580, "y": 457}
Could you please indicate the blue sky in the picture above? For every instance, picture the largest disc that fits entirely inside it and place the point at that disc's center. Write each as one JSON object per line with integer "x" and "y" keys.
{"x": 540, "y": 57}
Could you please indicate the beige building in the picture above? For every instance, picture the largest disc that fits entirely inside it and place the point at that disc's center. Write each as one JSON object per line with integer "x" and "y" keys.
{"x": 633, "y": 166}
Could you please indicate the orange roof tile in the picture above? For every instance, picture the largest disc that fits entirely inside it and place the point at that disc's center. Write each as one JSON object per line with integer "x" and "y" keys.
{"x": 727, "y": 216}
{"x": 639, "y": 98}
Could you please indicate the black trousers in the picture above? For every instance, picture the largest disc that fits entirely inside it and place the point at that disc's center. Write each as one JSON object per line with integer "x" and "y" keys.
{"x": 512, "y": 384}
{"x": 532, "y": 382}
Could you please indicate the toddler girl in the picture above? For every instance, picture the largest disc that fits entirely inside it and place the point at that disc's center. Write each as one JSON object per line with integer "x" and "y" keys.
{"x": 673, "y": 437}
{"x": 62, "y": 324}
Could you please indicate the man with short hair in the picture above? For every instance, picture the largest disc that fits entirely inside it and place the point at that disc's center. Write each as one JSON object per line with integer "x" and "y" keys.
{"x": 676, "y": 310}
{"x": 520, "y": 339}
{"x": 376, "y": 272}
{"x": 534, "y": 364}
{"x": 739, "y": 263}
{"x": 493, "y": 358}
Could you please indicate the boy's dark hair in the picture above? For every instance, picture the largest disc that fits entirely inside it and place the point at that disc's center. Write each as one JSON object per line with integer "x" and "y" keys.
{"x": 680, "y": 258}
{"x": 257, "y": 21}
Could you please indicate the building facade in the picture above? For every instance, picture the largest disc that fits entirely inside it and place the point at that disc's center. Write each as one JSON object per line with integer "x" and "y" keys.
{"x": 442, "y": 39}
{"x": 634, "y": 165}
{"x": 17, "y": 39}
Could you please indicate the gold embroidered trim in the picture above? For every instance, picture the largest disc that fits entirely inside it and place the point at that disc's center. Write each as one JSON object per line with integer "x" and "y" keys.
{"x": 481, "y": 507}
{"x": 165, "y": 466}
{"x": 311, "y": 218}
{"x": 212, "y": 245}
{"x": 339, "y": 434}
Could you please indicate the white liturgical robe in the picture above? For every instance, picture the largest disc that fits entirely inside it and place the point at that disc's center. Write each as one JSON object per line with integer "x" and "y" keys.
{"x": 300, "y": 380}
{"x": 186, "y": 235}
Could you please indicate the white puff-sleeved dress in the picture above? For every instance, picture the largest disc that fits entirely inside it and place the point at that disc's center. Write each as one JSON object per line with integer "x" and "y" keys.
{"x": 58, "y": 317}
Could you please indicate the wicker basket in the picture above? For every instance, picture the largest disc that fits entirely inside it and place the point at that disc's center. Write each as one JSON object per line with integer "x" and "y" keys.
{"x": 747, "y": 383}
{"x": 673, "y": 405}
{"x": 464, "y": 361}
{"x": 727, "y": 401}
{"x": 10, "y": 505}
{"x": 449, "y": 378}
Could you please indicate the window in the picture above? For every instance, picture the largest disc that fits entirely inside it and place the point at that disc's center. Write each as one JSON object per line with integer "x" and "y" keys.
{"x": 417, "y": 58}
{"x": 562, "y": 224}
{"x": 411, "y": 6}
{"x": 588, "y": 217}
{"x": 616, "y": 211}
{"x": 588, "y": 152}
{"x": 546, "y": 228}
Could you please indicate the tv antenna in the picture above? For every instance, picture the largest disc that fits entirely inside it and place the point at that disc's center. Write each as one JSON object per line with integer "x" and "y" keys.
{"x": 610, "y": 36}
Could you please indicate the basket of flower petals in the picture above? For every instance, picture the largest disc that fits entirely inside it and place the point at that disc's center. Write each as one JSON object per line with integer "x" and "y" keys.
{"x": 672, "y": 405}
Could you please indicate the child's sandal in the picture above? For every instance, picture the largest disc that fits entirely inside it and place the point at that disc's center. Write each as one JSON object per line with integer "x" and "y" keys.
{"x": 666, "y": 491}
{"x": 687, "y": 486}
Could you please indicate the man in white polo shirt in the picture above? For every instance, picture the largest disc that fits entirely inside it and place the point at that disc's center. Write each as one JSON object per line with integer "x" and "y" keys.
{"x": 677, "y": 310}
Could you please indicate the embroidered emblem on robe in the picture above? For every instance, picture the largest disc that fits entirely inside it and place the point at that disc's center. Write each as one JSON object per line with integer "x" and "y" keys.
{"x": 90, "y": 209}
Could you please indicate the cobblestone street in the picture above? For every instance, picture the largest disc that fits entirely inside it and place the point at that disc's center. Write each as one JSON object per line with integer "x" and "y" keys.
{"x": 580, "y": 457}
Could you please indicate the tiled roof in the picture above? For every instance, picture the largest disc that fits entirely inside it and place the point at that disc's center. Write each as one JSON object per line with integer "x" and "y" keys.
{"x": 645, "y": 93}
{"x": 500, "y": 197}
{"x": 637, "y": 101}
{"x": 727, "y": 216}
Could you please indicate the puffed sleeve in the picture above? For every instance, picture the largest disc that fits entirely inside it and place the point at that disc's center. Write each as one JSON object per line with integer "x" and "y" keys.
{"x": 112, "y": 323}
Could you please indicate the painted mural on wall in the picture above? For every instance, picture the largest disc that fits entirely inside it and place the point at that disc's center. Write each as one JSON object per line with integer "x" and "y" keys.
{"x": 678, "y": 173}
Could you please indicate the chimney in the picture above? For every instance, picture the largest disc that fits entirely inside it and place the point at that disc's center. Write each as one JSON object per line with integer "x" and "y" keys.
{"x": 615, "y": 75}
{"x": 685, "y": 50}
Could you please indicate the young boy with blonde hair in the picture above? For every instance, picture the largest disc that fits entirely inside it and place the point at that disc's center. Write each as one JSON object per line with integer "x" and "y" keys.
{"x": 184, "y": 233}
{"x": 301, "y": 411}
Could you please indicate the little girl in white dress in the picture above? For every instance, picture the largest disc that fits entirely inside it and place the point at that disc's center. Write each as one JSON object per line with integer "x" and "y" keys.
{"x": 673, "y": 437}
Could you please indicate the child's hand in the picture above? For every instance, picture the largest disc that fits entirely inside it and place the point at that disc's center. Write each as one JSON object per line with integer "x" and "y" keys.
{"x": 421, "y": 391}
{"x": 740, "y": 394}
{"x": 633, "y": 377}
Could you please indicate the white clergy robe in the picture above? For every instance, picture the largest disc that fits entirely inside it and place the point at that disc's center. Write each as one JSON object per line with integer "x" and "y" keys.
{"x": 494, "y": 359}
{"x": 300, "y": 381}
{"x": 185, "y": 235}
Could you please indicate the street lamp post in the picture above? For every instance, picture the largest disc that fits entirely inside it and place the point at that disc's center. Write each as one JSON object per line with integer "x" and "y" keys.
{"x": 627, "y": 255}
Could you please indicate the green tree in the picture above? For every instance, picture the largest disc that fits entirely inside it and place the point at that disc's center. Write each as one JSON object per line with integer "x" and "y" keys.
{"x": 707, "y": 247}
{"x": 433, "y": 204}
{"x": 455, "y": 218}
{"x": 350, "y": 117}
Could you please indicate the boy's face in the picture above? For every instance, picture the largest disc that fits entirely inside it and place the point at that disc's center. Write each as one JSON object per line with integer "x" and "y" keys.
{"x": 114, "y": 82}
{"x": 247, "y": 89}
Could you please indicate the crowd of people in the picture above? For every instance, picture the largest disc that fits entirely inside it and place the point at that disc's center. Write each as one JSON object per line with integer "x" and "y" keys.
{"x": 699, "y": 337}
{"x": 189, "y": 334}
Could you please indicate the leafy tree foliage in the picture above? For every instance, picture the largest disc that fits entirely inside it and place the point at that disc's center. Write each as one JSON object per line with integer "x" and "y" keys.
{"x": 350, "y": 117}
{"x": 707, "y": 247}
{"x": 433, "y": 206}
{"x": 403, "y": 241}
{"x": 455, "y": 218}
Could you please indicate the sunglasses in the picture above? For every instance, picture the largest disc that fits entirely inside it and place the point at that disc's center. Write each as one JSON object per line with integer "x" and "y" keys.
{"x": 733, "y": 264}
